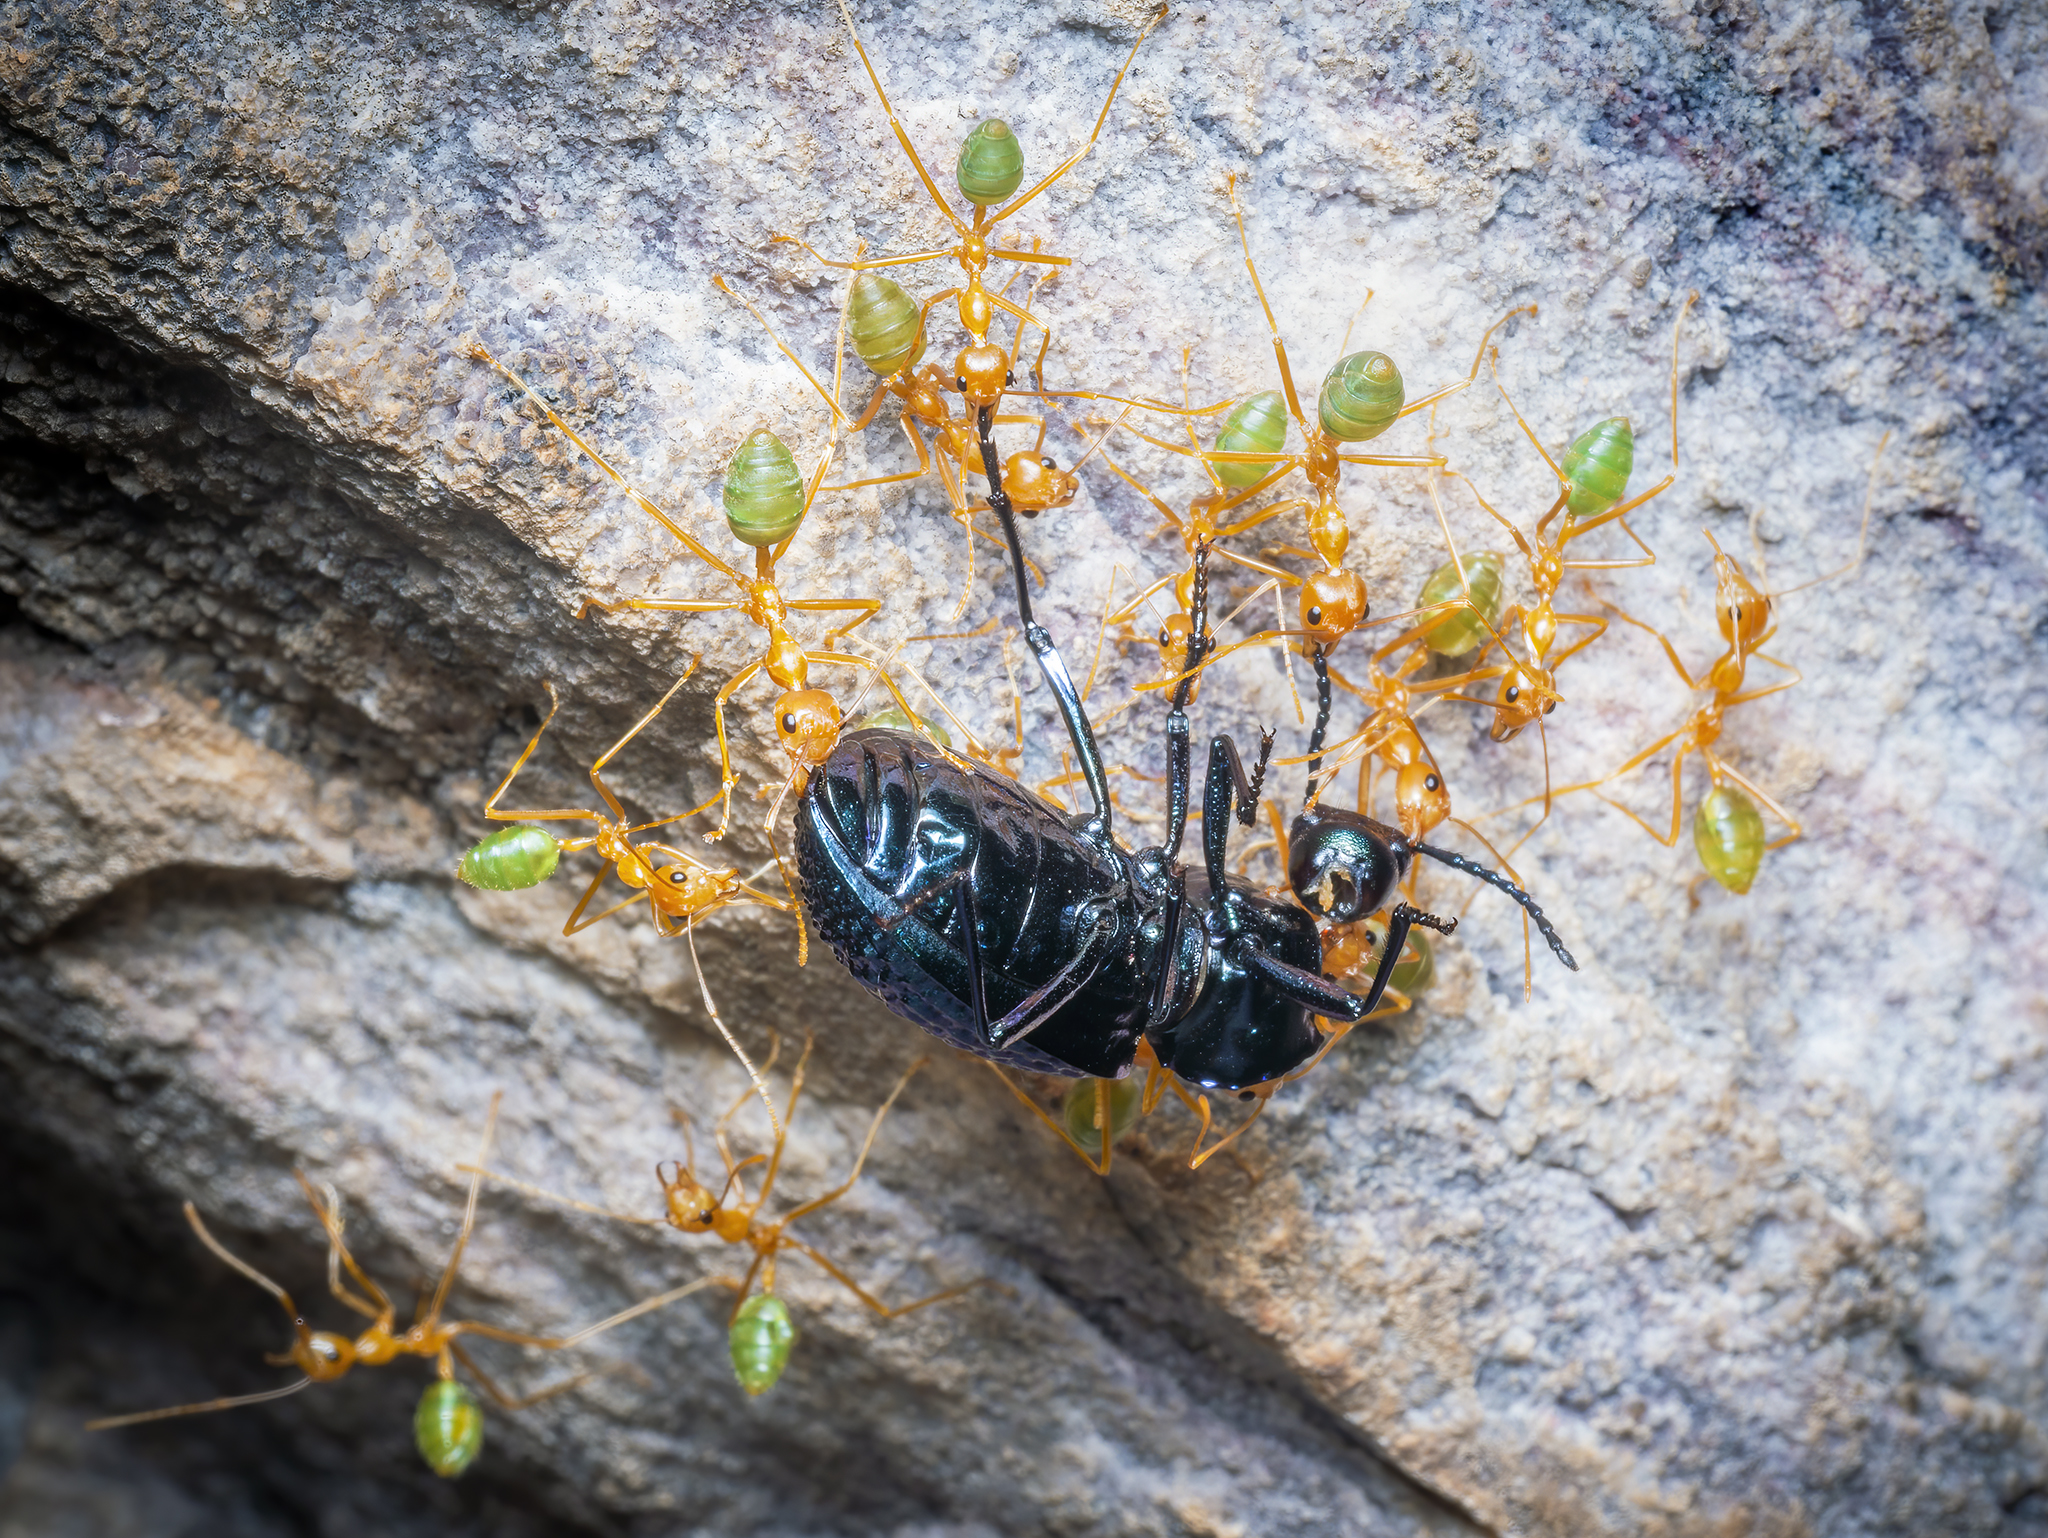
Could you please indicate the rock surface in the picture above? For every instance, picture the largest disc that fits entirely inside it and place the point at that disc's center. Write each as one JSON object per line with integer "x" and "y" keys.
{"x": 1741, "y": 1229}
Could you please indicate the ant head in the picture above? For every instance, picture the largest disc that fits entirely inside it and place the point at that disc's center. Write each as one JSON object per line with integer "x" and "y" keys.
{"x": 1740, "y": 609}
{"x": 692, "y": 1206}
{"x": 1527, "y": 693}
{"x": 1343, "y": 865}
{"x": 1333, "y": 604}
{"x": 1036, "y": 483}
{"x": 686, "y": 891}
{"x": 982, "y": 372}
{"x": 1173, "y": 643}
{"x": 807, "y": 725}
{"x": 321, "y": 1355}
{"x": 1421, "y": 799}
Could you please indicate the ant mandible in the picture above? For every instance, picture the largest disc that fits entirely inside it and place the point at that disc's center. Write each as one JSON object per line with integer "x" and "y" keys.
{"x": 449, "y": 1424}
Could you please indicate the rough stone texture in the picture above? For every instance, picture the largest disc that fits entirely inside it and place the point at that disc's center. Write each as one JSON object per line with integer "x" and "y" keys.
{"x": 1739, "y": 1230}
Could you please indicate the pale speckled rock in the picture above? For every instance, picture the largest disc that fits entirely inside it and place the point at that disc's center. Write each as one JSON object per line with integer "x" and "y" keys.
{"x": 1738, "y": 1230}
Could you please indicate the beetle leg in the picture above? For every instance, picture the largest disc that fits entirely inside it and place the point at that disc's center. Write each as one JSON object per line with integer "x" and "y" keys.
{"x": 1043, "y": 1003}
{"x": 1061, "y": 682}
{"x": 1311, "y": 990}
{"x": 1226, "y": 775}
{"x": 1175, "y": 921}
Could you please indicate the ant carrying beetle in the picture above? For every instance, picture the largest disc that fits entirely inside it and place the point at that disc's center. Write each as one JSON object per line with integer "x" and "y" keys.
{"x": 1034, "y": 939}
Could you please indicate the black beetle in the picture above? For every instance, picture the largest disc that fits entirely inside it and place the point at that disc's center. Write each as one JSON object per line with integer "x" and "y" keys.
{"x": 1032, "y": 938}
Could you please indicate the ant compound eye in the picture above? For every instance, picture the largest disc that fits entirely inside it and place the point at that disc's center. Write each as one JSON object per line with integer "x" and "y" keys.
{"x": 1315, "y": 616}
{"x": 1165, "y": 636}
{"x": 789, "y": 721}
{"x": 1512, "y": 693}
{"x": 961, "y": 381}
{"x": 1245, "y": 1094}
{"x": 1009, "y": 377}
{"x": 1433, "y": 783}
{"x": 1050, "y": 463}
{"x": 1549, "y": 706}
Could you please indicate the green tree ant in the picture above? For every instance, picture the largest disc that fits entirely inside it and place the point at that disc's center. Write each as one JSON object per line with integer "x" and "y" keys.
{"x": 766, "y": 501}
{"x": 761, "y": 1334}
{"x": 1728, "y": 829}
{"x": 448, "y": 1426}
{"x": 990, "y": 169}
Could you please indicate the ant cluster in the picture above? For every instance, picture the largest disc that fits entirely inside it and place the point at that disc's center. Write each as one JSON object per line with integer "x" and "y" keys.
{"x": 1027, "y": 933}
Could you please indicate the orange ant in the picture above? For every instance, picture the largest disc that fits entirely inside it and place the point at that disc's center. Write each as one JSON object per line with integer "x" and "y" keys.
{"x": 766, "y": 506}
{"x": 678, "y": 894}
{"x": 1588, "y": 498}
{"x": 955, "y": 449}
{"x": 1728, "y": 832}
{"x": 693, "y": 1207}
{"x": 322, "y": 1356}
{"x": 1361, "y": 397}
{"x": 990, "y": 170}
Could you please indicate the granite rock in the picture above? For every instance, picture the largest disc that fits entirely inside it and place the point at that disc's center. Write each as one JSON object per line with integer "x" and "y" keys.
{"x": 1740, "y": 1229}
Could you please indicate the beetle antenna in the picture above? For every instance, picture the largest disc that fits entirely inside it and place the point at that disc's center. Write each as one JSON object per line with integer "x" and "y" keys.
{"x": 1495, "y": 879}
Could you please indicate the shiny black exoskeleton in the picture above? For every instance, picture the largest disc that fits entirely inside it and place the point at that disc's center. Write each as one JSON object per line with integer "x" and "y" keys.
{"x": 1031, "y": 937}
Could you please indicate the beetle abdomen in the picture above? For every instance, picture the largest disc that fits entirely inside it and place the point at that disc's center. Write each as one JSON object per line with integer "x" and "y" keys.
{"x": 889, "y": 823}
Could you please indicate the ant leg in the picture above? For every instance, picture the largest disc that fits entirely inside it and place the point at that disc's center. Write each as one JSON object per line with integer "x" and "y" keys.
{"x": 1668, "y": 840}
{"x": 924, "y": 462}
{"x": 329, "y": 1213}
{"x": 577, "y": 923}
{"x": 483, "y": 1152}
{"x": 711, "y": 1008}
{"x": 727, "y": 779}
{"x": 1196, "y": 1156}
{"x": 557, "y": 814}
{"x": 1493, "y": 355}
{"x": 1725, "y": 772}
{"x": 284, "y": 1299}
{"x": 1098, "y": 1163}
{"x": 610, "y": 800}
{"x": 1075, "y": 159}
{"x": 870, "y": 263}
{"x": 497, "y": 1395}
{"x": 781, "y": 346}
{"x": 867, "y": 609}
{"x": 577, "y": 1337}
{"x": 542, "y": 1194}
{"x": 483, "y": 355}
{"x": 902, "y": 138}
{"x": 861, "y": 1159}
{"x": 876, "y": 1303}
{"x": 1272, "y": 325}
{"x": 1478, "y": 357}
{"x": 796, "y": 1088}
